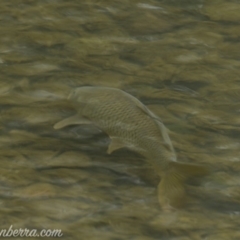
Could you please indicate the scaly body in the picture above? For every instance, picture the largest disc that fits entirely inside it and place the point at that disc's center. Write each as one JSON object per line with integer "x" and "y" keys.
{"x": 131, "y": 124}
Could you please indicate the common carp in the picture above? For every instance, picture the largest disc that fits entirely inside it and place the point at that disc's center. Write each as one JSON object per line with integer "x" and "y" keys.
{"x": 130, "y": 124}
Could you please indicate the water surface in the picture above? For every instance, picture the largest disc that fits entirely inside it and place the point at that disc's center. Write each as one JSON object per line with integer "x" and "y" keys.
{"x": 180, "y": 58}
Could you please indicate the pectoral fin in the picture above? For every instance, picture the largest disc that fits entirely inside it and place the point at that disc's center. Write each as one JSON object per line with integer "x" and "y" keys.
{"x": 76, "y": 119}
{"x": 115, "y": 144}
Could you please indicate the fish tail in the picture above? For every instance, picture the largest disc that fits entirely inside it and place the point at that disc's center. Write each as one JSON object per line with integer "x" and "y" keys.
{"x": 171, "y": 189}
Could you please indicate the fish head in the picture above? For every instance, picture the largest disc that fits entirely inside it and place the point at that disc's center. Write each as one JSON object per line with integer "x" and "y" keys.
{"x": 89, "y": 98}
{"x": 80, "y": 94}
{"x": 92, "y": 96}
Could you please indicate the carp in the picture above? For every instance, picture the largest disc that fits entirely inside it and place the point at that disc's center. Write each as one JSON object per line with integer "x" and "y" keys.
{"x": 129, "y": 123}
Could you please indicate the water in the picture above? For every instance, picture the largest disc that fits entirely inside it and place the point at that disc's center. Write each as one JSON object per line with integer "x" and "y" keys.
{"x": 180, "y": 58}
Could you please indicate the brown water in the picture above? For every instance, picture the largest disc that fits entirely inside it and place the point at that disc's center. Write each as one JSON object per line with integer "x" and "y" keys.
{"x": 180, "y": 58}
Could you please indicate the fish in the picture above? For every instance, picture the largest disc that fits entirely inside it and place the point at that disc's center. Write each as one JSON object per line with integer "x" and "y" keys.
{"x": 130, "y": 124}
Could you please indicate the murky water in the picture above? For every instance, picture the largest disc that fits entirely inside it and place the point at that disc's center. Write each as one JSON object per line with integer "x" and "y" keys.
{"x": 180, "y": 58}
